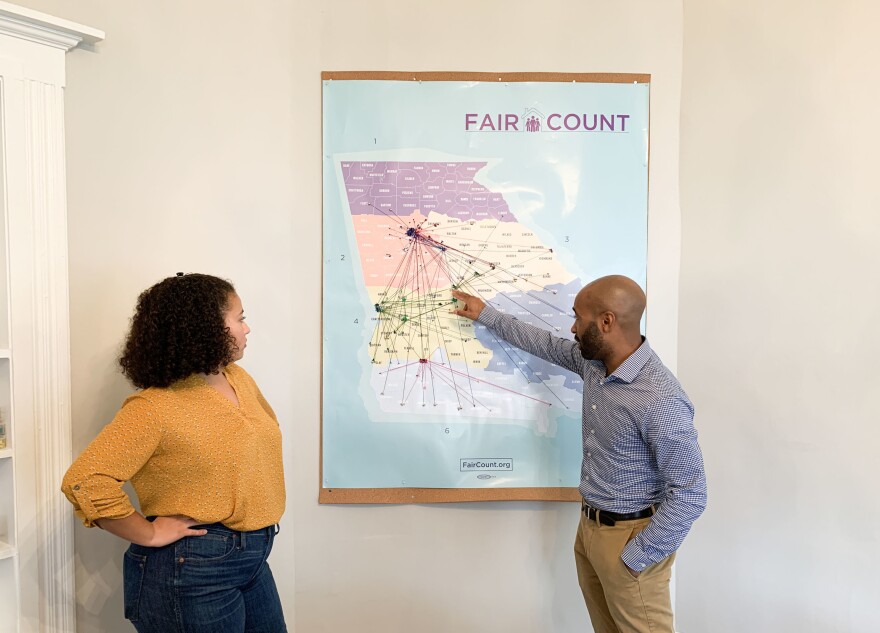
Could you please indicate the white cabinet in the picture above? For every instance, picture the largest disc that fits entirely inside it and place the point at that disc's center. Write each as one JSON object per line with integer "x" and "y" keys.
{"x": 36, "y": 531}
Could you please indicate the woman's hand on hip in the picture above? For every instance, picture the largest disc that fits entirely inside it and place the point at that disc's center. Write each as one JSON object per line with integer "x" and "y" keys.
{"x": 167, "y": 530}
{"x": 162, "y": 531}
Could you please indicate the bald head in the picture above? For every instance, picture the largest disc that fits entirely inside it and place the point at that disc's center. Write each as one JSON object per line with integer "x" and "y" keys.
{"x": 617, "y": 294}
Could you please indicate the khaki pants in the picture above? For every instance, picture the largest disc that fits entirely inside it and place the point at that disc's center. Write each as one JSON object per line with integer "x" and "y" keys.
{"x": 617, "y": 602}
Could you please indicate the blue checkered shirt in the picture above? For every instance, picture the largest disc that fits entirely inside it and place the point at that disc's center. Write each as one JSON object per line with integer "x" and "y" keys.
{"x": 639, "y": 441}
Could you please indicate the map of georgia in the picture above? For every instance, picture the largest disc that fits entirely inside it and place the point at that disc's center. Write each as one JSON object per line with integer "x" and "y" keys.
{"x": 423, "y": 229}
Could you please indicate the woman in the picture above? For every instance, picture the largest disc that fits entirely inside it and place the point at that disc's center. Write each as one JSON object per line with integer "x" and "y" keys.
{"x": 202, "y": 449}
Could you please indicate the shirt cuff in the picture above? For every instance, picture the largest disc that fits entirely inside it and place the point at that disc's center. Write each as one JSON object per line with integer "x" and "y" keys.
{"x": 89, "y": 510}
{"x": 634, "y": 557}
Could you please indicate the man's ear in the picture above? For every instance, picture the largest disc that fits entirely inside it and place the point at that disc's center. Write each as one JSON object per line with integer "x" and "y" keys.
{"x": 607, "y": 319}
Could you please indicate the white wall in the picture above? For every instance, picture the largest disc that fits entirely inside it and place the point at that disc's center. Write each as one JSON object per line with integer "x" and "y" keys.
{"x": 194, "y": 144}
{"x": 779, "y": 313}
{"x": 483, "y": 567}
{"x": 179, "y": 131}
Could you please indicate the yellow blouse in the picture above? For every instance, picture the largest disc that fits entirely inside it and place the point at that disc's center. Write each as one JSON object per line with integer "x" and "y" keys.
{"x": 189, "y": 450}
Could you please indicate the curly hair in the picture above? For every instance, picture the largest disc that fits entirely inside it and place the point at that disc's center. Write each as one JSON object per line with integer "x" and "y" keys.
{"x": 178, "y": 329}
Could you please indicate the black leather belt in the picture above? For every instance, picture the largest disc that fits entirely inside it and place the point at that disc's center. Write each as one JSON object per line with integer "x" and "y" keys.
{"x": 610, "y": 518}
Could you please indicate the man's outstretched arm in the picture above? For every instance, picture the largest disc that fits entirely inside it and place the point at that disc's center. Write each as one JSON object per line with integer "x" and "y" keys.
{"x": 534, "y": 340}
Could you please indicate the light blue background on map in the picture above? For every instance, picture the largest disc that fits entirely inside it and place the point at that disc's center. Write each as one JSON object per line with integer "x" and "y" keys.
{"x": 584, "y": 194}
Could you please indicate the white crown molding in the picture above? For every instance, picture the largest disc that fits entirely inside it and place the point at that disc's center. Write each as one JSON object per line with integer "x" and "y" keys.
{"x": 41, "y": 28}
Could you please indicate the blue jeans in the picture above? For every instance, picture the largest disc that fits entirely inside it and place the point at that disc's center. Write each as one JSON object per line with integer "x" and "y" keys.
{"x": 216, "y": 583}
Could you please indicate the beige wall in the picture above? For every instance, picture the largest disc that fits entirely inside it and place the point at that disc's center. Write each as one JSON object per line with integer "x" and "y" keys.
{"x": 778, "y": 341}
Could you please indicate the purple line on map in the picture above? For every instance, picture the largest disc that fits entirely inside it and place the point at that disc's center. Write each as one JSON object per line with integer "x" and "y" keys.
{"x": 407, "y": 187}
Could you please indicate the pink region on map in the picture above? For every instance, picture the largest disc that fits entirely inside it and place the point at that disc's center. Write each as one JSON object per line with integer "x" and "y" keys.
{"x": 403, "y": 188}
{"x": 384, "y": 261}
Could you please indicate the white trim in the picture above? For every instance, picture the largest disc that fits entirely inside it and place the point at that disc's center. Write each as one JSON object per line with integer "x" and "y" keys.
{"x": 31, "y": 33}
{"x": 45, "y": 29}
{"x": 34, "y": 189}
{"x": 44, "y": 117}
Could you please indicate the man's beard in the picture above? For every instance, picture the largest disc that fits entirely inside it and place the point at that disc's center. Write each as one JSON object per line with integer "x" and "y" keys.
{"x": 592, "y": 345}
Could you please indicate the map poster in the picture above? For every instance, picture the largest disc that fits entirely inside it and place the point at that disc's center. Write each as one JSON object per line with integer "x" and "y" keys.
{"x": 518, "y": 188}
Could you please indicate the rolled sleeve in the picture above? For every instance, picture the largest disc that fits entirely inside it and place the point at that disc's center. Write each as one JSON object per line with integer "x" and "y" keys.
{"x": 93, "y": 483}
{"x": 96, "y": 498}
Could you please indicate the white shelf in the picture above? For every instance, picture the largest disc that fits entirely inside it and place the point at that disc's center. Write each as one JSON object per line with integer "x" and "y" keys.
{"x": 6, "y": 550}
{"x": 5, "y": 452}
{"x": 5, "y": 353}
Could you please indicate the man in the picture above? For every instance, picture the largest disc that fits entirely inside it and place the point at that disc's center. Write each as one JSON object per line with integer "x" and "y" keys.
{"x": 642, "y": 478}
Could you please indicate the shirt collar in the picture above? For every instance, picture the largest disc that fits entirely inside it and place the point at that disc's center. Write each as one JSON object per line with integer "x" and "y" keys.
{"x": 634, "y": 363}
